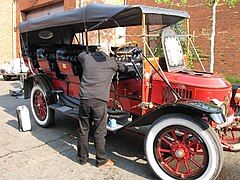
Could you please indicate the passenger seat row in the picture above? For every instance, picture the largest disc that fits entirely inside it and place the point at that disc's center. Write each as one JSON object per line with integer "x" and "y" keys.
{"x": 63, "y": 61}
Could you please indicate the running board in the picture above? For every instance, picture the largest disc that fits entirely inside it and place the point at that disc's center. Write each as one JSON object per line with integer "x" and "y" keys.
{"x": 73, "y": 112}
{"x": 114, "y": 129}
{"x": 59, "y": 107}
{"x": 66, "y": 110}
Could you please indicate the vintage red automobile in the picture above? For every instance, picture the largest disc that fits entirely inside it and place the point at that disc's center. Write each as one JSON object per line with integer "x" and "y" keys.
{"x": 190, "y": 116}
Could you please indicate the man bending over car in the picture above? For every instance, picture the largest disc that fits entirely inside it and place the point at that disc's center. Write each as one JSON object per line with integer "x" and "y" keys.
{"x": 98, "y": 70}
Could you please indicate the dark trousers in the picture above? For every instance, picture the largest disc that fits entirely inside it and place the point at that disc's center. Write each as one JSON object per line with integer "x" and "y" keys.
{"x": 92, "y": 111}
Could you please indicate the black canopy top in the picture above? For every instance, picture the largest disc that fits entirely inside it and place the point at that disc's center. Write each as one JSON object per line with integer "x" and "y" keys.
{"x": 110, "y": 15}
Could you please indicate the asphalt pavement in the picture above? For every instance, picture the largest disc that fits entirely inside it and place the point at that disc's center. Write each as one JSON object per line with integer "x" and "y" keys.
{"x": 51, "y": 153}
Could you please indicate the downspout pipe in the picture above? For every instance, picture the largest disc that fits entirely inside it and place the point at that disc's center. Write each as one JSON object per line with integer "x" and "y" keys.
{"x": 12, "y": 30}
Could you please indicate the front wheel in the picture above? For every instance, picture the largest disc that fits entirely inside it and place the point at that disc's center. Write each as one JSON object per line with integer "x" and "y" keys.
{"x": 43, "y": 115}
{"x": 180, "y": 147}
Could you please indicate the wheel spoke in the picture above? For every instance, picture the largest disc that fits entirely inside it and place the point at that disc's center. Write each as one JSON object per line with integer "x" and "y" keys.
{"x": 170, "y": 159}
{"x": 197, "y": 153}
{"x": 174, "y": 135}
{"x": 177, "y": 166}
{"x": 36, "y": 100}
{"x": 184, "y": 138}
{"x": 164, "y": 150}
{"x": 164, "y": 139}
{"x": 44, "y": 111}
{"x": 41, "y": 112}
{"x": 193, "y": 142}
{"x": 187, "y": 167}
{"x": 196, "y": 163}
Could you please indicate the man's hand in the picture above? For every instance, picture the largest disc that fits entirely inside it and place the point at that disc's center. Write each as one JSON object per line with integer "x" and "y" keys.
{"x": 137, "y": 55}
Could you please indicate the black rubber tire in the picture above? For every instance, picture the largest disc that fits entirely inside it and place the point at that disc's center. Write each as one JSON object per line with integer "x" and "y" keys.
{"x": 7, "y": 78}
{"x": 201, "y": 128}
{"x": 50, "y": 113}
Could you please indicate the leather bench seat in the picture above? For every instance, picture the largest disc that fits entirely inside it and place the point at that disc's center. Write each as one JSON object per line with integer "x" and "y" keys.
{"x": 67, "y": 59}
{"x": 46, "y": 57}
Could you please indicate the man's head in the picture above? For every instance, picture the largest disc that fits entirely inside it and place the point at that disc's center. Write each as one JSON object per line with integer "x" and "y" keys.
{"x": 105, "y": 47}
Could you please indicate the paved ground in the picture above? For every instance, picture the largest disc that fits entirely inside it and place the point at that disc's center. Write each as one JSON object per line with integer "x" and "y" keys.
{"x": 51, "y": 153}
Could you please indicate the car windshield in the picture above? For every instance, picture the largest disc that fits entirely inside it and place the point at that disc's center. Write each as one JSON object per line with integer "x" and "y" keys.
{"x": 174, "y": 51}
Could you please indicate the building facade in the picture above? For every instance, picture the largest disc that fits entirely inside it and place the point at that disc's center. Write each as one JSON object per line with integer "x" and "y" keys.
{"x": 7, "y": 30}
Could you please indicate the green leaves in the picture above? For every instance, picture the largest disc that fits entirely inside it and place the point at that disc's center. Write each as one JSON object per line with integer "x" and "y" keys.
{"x": 232, "y": 2}
{"x": 170, "y": 1}
{"x": 163, "y": 1}
{"x": 208, "y": 2}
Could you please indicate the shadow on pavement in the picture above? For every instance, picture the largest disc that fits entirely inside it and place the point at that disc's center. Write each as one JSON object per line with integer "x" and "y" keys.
{"x": 125, "y": 147}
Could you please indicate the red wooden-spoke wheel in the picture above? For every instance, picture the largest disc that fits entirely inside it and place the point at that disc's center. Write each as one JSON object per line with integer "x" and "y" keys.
{"x": 43, "y": 115}
{"x": 181, "y": 152}
{"x": 181, "y": 147}
{"x": 40, "y": 105}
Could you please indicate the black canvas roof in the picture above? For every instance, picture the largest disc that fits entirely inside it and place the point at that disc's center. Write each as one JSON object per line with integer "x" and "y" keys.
{"x": 108, "y": 15}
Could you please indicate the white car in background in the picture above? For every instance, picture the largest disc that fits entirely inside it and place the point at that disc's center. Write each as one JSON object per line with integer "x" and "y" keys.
{"x": 15, "y": 68}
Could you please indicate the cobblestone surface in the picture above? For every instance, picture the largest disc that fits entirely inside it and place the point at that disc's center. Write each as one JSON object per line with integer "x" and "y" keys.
{"x": 50, "y": 153}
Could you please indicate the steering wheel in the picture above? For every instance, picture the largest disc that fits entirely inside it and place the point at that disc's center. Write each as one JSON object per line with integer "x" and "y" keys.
{"x": 126, "y": 48}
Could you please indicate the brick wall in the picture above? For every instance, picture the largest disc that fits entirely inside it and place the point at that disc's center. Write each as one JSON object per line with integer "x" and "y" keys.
{"x": 27, "y": 5}
{"x": 70, "y": 4}
{"x": 6, "y": 31}
{"x": 227, "y": 52}
{"x": 227, "y": 49}
{"x": 108, "y": 35}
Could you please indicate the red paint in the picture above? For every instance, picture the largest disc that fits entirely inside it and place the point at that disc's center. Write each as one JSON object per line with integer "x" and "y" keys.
{"x": 179, "y": 156}
{"x": 44, "y": 64}
{"x": 65, "y": 67}
{"x": 204, "y": 87}
{"x": 74, "y": 90}
{"x": 60, "y": 85}
{"x": 40, "y": 105}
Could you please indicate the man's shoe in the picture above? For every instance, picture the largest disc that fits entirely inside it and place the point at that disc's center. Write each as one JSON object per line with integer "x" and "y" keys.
{"x": 109, "y": 163}
{"x": 82, "y": 162}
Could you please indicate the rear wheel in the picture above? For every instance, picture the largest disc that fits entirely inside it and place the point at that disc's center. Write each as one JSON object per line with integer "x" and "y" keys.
{"x": 43, "y": 115}
{"x": 7, "y": 78}
{"x": 178, "y": 147}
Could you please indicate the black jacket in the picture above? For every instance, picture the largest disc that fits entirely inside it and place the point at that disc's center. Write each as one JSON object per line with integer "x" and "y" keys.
{"x": 98, "y": 70}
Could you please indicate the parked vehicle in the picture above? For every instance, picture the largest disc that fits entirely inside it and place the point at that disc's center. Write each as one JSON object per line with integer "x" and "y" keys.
{"x": 186, "y": 131}
{"x": 14, "y": 69}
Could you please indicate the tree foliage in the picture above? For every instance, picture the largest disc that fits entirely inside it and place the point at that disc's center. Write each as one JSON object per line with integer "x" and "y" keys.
{"x": 208, "y": 2}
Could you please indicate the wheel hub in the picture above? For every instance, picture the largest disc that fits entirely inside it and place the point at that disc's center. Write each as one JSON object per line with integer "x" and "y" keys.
{"x": 179, "y": 153}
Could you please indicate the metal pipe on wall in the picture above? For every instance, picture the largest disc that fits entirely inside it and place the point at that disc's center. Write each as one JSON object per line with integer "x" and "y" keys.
{"x": 13, "y": 29}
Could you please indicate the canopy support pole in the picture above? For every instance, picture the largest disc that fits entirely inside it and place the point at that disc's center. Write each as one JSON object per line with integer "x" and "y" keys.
{"x": 99, "y": 36}
{"x": 144, "y": 30}
{"x": 85, "y": 29}
{"x": 86, "y": 39}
